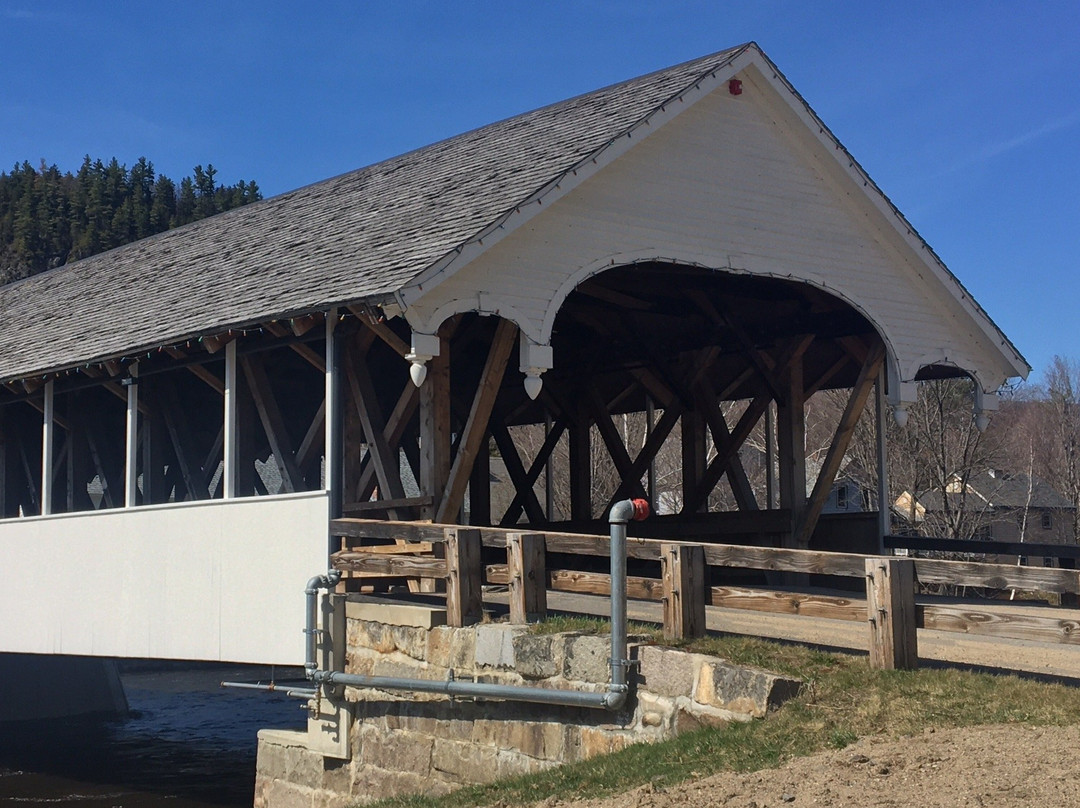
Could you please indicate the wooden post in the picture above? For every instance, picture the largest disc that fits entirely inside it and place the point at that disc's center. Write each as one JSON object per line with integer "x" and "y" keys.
{"x": 526, "y": 562}
{"x": 464, "y": 598}
{"x": 683, "y": 571}
{"x": 580, "y": 468}
{"x": 693, "y": 455}
{"x": 435, "y": 432}
{"x": 480, "y": 487}
{"x": 890, "y": 606}
{"x": 791, "y": 445}
{"x": 475, "y": 431}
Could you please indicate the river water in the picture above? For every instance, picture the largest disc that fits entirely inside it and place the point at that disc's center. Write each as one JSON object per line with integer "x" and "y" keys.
{"x": 187, "y": 743}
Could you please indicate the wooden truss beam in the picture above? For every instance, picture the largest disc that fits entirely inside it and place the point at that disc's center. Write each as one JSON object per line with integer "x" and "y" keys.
{"x": 372, "y": 322}
{"x": 194, "y": 477}
{"x": 200, "y": 372}
{"x": 721, "y": 435}
{"x": 615, "y": 446}
{"x": 304, "y": 351}
{"x": 845, "y": 429}
{"x": 385, "y": 460}
{"x": 792, "y": 354}
{"x": 272, "y": 421}
{"x": 524, "y": 488}
{"x": 476, "y": 425}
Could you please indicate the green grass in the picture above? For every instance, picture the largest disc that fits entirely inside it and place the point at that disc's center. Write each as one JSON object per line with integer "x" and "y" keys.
{"x": 843, "y": 701}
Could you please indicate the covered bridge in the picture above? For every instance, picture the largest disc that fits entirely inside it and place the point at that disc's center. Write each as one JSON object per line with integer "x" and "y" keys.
{"x": 180, "y": 417}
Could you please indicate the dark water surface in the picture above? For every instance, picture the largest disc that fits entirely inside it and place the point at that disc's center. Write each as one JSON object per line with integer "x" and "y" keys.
{"x": 187, "y": 744}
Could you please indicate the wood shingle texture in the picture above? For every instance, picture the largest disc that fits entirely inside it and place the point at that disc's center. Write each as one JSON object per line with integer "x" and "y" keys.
{"x": 360, "y": 236}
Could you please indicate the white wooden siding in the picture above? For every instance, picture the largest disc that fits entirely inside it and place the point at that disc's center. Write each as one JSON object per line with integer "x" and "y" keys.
{"x": 733, "y": 183}
{"x": 221, "y": 580}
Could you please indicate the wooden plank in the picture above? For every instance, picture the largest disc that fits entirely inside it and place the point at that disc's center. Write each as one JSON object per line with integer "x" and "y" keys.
{"x": 464, "y": 580}
{"x": 779, "y": 559}
{"x": 890, "y": 607}
{"x": 996, "y": 576}
{"x": 682, "y": 568}
{"x": 724, "y": 555}
{"x": 1031, "y": 628}
{"x": 795, "y": 603}
{"x": 400, "y": 547}
{"x": 381, "y": 563}
{"x": 273, "y": 422}
{"x": 979, "y": 547}
{"x": 476, "y": 425}
{"x": 526, "y": 561}
{"x": 586, "y": 583}
{"x": 845, "y": 429}
{"x": 386, "y": 504}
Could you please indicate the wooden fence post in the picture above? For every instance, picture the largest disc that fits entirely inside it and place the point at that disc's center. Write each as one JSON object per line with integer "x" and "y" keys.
{"x": 683, "y": 570}
{"x": 526, "y": 563}
{"x": 890, "y": 606}
{"x": 464, "y": 598}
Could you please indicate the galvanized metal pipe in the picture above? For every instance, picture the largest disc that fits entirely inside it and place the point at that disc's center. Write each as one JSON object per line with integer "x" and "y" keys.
{"x": 294, "y": 692}
{"x": 613, "y": 698}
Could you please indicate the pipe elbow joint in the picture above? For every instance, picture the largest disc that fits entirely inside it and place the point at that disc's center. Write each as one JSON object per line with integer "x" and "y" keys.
{"x": 614, "y": 699}
{"x": 629, "y": 510}
{"x": 326, "y": 581}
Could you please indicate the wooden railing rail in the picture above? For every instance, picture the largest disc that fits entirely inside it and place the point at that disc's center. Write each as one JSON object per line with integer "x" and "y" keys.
{"x": 453, "y": 554}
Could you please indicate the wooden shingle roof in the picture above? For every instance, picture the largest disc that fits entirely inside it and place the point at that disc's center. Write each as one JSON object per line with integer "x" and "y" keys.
{"x": 359, "y": 236}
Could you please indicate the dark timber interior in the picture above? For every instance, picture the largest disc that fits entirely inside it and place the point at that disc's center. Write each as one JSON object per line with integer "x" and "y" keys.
{"x": 653, "y": 362}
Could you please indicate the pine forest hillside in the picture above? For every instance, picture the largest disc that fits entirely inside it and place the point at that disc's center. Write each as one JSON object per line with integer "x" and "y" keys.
{"x": 49, "y": 218}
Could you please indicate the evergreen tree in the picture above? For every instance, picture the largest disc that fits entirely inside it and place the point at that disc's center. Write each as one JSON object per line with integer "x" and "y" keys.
{"x": 48, "y": 218}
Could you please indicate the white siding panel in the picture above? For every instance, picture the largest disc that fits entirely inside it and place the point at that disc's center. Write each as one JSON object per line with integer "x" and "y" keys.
{"x": 216, "y": 580}
{"x": 724, "y": 184}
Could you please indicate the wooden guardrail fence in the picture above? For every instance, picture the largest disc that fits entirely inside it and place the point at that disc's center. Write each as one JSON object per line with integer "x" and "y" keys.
{"x": 454, "y": 554}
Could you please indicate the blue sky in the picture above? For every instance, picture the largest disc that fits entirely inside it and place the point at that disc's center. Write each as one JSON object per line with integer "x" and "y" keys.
{"x": 966, "y": 114}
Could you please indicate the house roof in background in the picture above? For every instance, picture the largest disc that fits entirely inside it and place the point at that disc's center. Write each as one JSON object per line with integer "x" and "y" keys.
{"x": 1002, "y": 490}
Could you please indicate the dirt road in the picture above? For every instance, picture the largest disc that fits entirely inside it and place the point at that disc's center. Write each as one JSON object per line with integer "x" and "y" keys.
{"x": 999, "y": 766}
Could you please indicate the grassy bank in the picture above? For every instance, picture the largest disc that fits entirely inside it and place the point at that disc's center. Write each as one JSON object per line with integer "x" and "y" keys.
{"x": 842, "y": 701}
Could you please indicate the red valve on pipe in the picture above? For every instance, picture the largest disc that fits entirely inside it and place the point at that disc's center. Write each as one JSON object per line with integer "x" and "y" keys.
{"x": 641, "y": 509}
